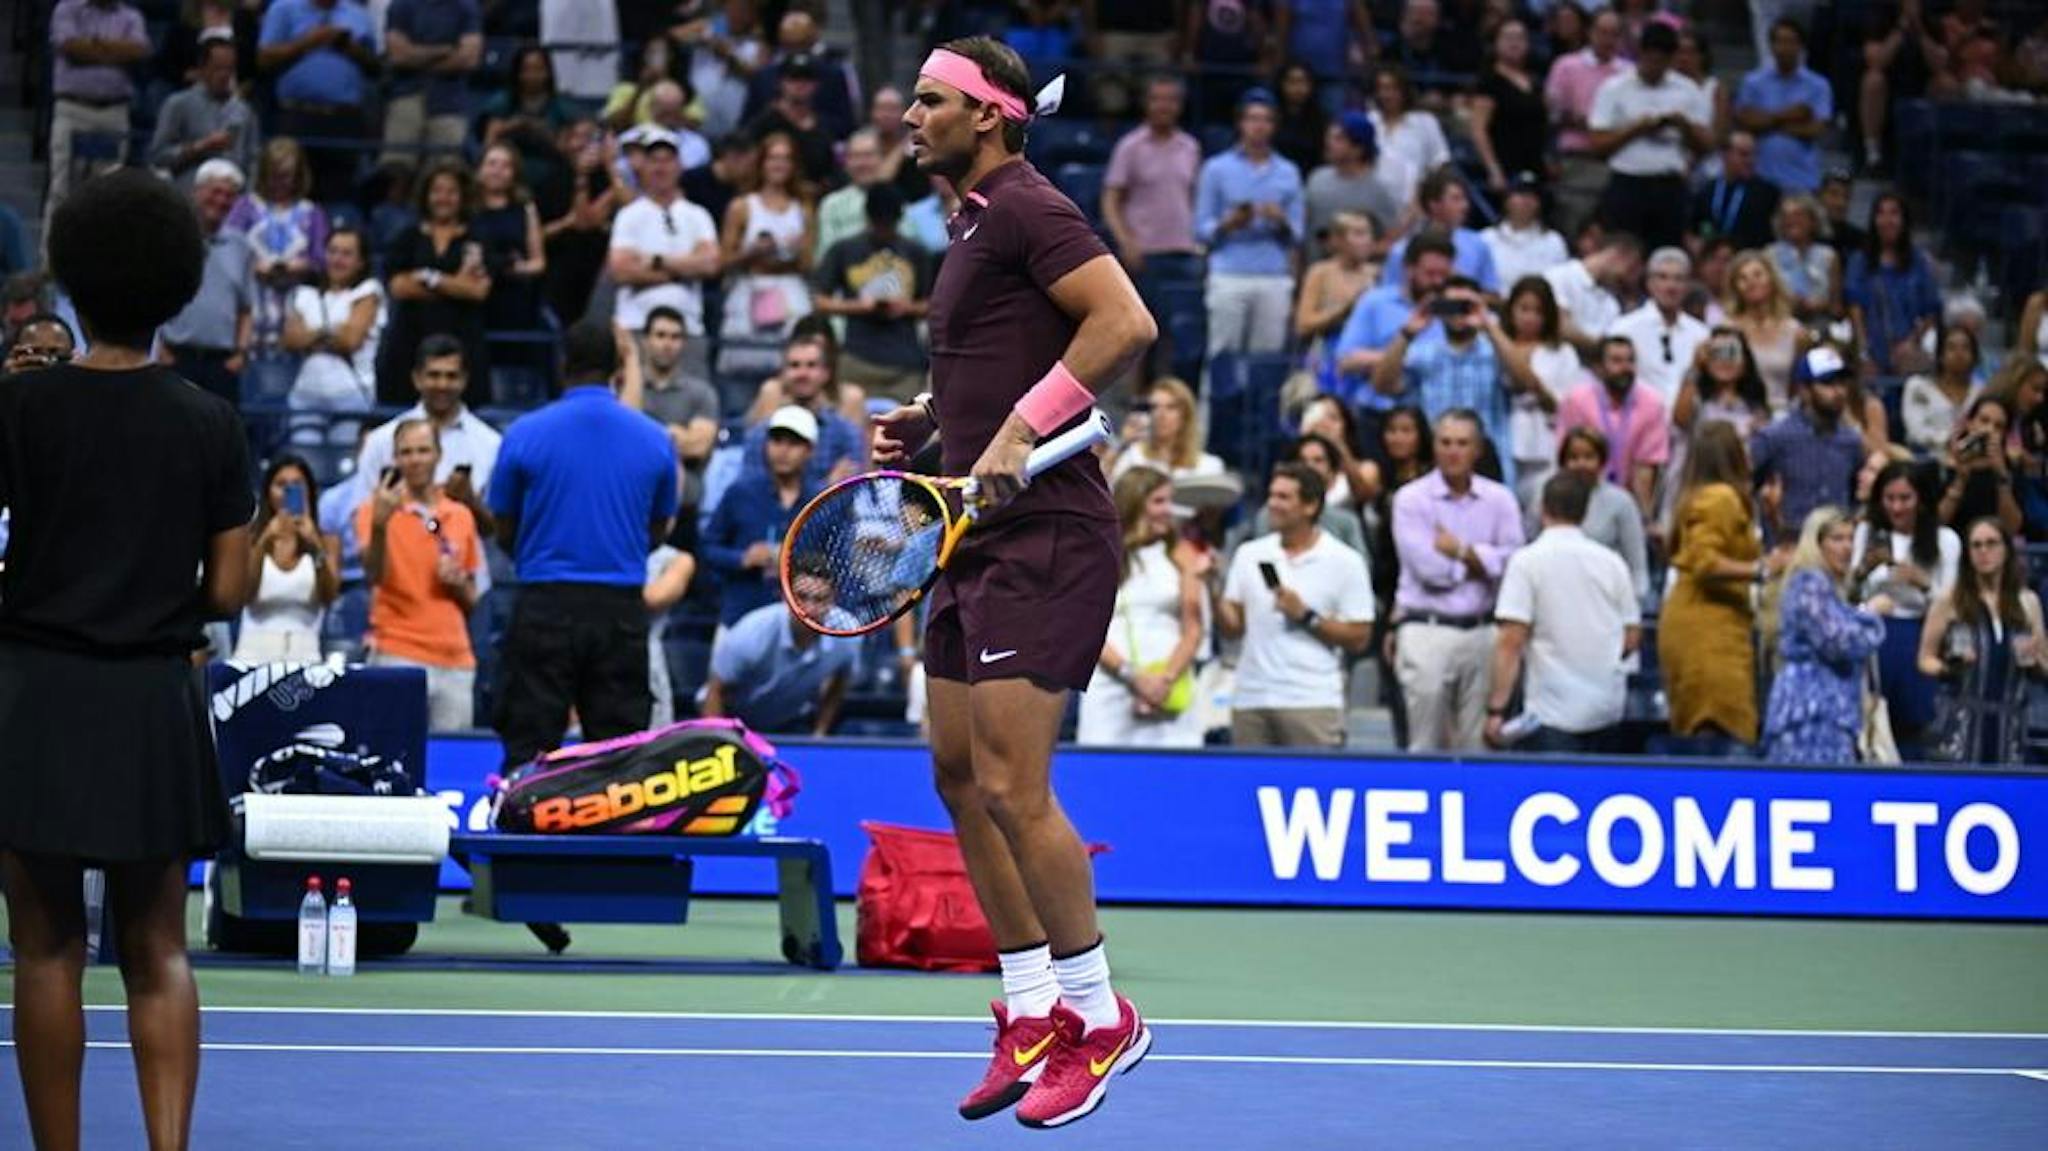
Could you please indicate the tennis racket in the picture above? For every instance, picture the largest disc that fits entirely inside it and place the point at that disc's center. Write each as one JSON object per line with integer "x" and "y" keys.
{"x": 867, "y": 549}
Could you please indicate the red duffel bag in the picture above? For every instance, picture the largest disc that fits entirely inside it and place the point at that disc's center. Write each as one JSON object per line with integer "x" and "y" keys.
{"x": 916, "y": 907}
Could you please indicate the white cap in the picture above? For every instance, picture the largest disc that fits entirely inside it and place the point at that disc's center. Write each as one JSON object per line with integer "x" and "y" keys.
{"x": 649, "y": 136}
{"x": 796, "y": 421}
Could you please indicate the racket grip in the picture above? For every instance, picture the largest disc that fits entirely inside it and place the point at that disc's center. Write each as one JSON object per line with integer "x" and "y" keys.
{"x": 1093, "y": 430}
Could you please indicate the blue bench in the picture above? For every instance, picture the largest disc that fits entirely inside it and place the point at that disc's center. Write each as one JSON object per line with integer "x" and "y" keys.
{"x": 643, "y": 879}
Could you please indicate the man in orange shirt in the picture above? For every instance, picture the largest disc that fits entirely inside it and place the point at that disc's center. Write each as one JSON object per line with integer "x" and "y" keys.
{"x": 420, "y": 557}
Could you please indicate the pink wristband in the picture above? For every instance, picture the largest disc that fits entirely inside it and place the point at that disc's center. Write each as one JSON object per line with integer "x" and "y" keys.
{"x": 1054, "y": 400}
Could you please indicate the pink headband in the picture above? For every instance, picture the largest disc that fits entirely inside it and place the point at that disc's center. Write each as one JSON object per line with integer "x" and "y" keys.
{"x": 964, "y": 74}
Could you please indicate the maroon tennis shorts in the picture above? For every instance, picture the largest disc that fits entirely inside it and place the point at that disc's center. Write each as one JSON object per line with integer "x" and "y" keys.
{"x": 1030, "y": 598}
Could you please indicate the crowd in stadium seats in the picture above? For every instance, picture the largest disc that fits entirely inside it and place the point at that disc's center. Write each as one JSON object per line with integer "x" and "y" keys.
{"x": 1465, "y": 306}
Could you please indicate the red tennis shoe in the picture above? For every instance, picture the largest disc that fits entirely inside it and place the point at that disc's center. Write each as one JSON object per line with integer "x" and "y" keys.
{"x": 1076, "y": 1077}
{"x": 1023, "y": 1046}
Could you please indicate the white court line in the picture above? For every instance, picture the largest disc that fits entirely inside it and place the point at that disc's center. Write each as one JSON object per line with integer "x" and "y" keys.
{"x": 2040, "y": 1075}
{"x": 1283, "y": 1024}
{"x": 1259, "y": 1060}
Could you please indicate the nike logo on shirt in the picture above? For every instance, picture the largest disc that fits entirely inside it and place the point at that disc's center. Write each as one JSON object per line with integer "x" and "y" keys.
{"x": 971, "y": 229}
{"x": 988, "y": 656}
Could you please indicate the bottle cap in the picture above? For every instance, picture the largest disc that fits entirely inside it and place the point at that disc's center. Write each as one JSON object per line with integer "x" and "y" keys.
{"x": 313, "y": 883}
{"x": 343, "y": 885}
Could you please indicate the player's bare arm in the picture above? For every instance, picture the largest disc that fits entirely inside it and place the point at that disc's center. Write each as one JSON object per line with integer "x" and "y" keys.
{"x": 1115, "y": 329}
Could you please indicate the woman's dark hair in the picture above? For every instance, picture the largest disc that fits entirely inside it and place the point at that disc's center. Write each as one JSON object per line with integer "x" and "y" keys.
{"x": 1001, "y": 66}
{"x": 129, "y": 251}
{"x": 1715, "y": 456}
{"x": 464, "y": 180}
{"x": 518, "y": 65}
{"x": 1592, "y": 437}
{"x": 1749, "y": 386}
{"x": 1967, "y": 598}
{"x": 1293, "y": 452}
{"x": 362, "y": 249}
{"x": 1286, "y": 69}
{"x": 1546, "y": 299}
{"x": 1349, "y": 420}
{"x": 1402, "y": 81}
{"x": 1926, "y": 520}
{"x": 1941, "y": 343}
{"x": 264, "y": 512}
{"x": 1425, "y": 442}
{"x": 1874, "y": 249}
{"x": 1990, "y": 400}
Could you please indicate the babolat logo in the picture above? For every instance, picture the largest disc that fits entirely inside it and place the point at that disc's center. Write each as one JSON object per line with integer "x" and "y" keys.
{"x": 623, "y": 800}
{"x": 287, "y": 684}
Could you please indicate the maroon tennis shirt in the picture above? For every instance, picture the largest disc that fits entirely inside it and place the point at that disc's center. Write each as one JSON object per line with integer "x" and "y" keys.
{"x": 995, "y": 331}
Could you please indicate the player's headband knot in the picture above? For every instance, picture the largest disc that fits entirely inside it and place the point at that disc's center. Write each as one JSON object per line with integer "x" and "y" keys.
{"x": 960, "y": 72}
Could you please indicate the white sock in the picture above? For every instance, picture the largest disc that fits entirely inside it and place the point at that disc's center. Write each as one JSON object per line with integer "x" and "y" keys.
{"x": 1029, "y": 988}
{"x": 1084, "y": 986}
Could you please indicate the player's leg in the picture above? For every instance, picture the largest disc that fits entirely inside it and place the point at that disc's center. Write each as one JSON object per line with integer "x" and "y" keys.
{"x": 1024, "y": 1031}
{"x": 46, "y": 928}
{"x": 148, "y": 904}
{"x": 992, "y": 869}
{"x": 1016, "y": 723}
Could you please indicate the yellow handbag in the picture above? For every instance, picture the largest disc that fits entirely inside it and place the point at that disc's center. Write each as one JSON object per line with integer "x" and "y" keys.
{"x": 1182, "y": 695}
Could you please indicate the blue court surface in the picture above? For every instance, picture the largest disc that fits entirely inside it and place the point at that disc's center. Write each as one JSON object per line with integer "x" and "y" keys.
{"x": 395, "y": 1079}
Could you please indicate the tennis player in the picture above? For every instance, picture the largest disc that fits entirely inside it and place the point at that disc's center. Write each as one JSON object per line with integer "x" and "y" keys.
{"x": 131, "y": 500}
{"x": 1029, "y": 316}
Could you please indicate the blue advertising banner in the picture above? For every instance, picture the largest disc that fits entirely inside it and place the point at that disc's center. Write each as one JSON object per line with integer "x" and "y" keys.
{"x": 1359, "y": 831}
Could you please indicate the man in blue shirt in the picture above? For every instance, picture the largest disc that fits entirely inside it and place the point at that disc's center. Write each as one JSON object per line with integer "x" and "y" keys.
{"x": 433, "y": 47}
{"x": 744, "y": 537}
{"x": 807, "y": 372}
{"x": 1788, "y": 106}
{"x": 1445, "y": 204}
{"x": 322, "y": 53}
{"x": 1439, "y": 358}
{"x": 1377, "y": 318}
{"x": 1808, "y": 458}
{"x": 1249, "y": 211}
{"x": 774, "y": 674}
{"x": 583, "y": 489}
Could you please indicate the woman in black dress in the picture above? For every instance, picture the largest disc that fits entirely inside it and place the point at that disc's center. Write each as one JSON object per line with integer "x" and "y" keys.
{"x": 439, "y": 281}
{"x": 1509, "y": 122}
{"x": 113, "y": 447}
{"x": 507, "y": 225}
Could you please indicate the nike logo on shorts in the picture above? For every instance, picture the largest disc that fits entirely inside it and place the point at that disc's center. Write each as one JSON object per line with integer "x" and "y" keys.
{"x": 988, "y": 656}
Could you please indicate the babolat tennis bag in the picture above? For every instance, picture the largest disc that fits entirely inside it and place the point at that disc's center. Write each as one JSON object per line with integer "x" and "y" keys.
{"x": 703, "y": 777}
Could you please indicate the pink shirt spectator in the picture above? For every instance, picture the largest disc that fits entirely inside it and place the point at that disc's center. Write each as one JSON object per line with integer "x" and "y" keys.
{"x": 1158, "y": 178}
{"x": 1638, "y": 430}
{"x": 1569, "y": 95}
{"x": 1432, "y": 583}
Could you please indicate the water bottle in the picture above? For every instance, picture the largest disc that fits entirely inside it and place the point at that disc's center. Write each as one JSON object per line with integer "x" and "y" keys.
{"x": 312, "y": 929}
{"x": 341, "y": 931}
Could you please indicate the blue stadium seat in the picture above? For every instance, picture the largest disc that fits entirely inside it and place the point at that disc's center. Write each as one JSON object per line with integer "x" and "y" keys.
{"x": 1054, "y": 141}
{"x": 1083, "y": 184}
{"x": 1184, "y": 323}
{"x": 1244, "y": 410}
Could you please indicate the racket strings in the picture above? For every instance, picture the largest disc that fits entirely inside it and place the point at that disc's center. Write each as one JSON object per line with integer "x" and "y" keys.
{"x": 875, "y": 544}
